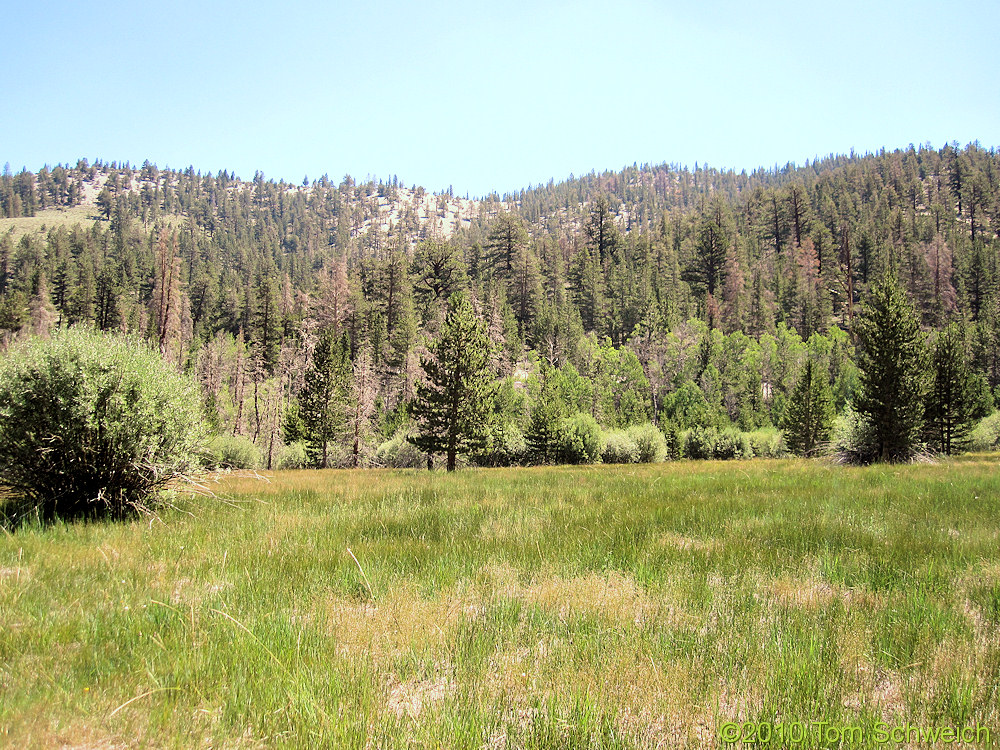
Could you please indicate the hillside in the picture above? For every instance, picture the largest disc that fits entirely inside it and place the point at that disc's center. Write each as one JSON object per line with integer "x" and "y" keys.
{"x": 643, "y": 281}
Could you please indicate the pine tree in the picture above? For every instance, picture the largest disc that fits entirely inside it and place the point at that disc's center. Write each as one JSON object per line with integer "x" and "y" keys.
{"x": 525, "y": 286}
{"x": 951, "y": 402}
{"x": 603, "y": 235}
{"x": 891, "y": 364}
{"x": 707, "y": 268}
{"x": 323, "y": 395}
{"x": 546, "y": 417}
{"x": 809, "y": 414}
{"x": 506, "y": 241}
{"x": 453, "y": 406}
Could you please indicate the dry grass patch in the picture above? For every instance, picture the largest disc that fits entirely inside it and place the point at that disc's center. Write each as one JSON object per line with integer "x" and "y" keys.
{"x": 411, "y": 697}
{"x": 688, "y": 544}
{"x": 987, "y": 575}
{"x": 50, "y": 218}
{"x": 881, "y": 692}
{"x": 15, "y": 575}
{"x": 808, "y": 594}
{"x": 386, "y": 628}
{"x": 612, "y": 598}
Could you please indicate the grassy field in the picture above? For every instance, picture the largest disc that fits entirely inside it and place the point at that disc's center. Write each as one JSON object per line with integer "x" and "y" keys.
{"x": 553, "y": 607}
{"x": 45, "y": 220}
{"x": 84, "y": 215}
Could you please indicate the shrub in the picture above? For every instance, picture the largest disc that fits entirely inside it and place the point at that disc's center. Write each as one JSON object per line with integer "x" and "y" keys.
{"x": 674, "y": 441}
{"x": 767, "y": 443}
{"x": 699, "y": 442}
{"x": 93, "y": 425}
{"x": 233, "y": 452}
{"x": 651, "y": 443}
{"x": 722, "y": 445}
{"x": 619, "y": 448}
{"x": 397, "y": 453}
{"x": 985, "y": 436}
{"x": 580, "y": 440}
{"x": 731, "y": 444}
{"x": 852, "y": 438}
{"x": 293, "y": 456}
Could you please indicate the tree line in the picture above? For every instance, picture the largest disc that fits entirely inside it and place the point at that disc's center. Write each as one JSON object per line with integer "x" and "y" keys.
{"x": 696, "y": 301}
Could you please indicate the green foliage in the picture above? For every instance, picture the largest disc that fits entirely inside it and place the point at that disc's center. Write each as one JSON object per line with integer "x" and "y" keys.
{"x": 323, "y": 398}
{"x": 293, "y": 430}
{"x": 619, "y": 448}
{"x": 642, "y": 443}
{"x": 293, "y": 456}
{"x": 659, "y": 278}
{"x": 547, "y": 416}
{"x": 985, "y": 436}
{"x": 398, "y": 452}
{"x": 506, "y": 446}
{"x": 809, "y": 414}
{"x": 730, "y": 444}
{"x": 709, "y": 443}
{"x": 454, "y": 405}
{"x": 851, "y": 437}
{"x": 622, "y": 389}
{"x": 892, "y": 364}
{"x": 687, "y": 407}
{"x": 699, "y": 443}
{"x": 674, "y": 439}
{"x": 93, "y": 424}
{"x": 767, "y": 443}
{"x": 650, "y": 442}
{"x": 951, "y": 401}
{"x": 580, "y": 440}
{"x": 233, "y": 452}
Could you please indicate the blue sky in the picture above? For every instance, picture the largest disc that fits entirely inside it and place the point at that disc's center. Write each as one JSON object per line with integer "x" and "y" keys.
{"x": 490, "y": 96}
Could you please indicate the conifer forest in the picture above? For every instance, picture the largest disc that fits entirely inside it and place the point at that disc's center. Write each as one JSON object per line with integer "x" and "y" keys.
{"x": 658, "y": 311}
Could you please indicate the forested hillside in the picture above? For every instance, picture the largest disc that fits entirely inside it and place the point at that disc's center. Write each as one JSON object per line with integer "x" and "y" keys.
{"x": 689, "y": 298}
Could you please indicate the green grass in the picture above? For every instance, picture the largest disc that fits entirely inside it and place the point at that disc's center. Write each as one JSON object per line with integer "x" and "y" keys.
{"x": 631, "y": 606}
{"x": 84, "y": 215}
{"x": 45, "y": 220}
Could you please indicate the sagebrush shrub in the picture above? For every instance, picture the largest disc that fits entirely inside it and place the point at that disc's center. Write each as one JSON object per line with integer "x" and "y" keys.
{"x": 651, "y": 443}
{"x": 93, "y": 425}
{"x": 398, "y": 453}
{"x": 619, "y": 448}
{"x": 293, "y": 456}
{"x": 986, "y": 435}
{"x": 234, "y": 452}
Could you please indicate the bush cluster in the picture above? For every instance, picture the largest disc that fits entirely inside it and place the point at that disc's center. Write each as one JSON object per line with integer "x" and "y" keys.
{"x": 398, "y": 453}
{"x": 643, "y": 444}
{"x": 93, "y": 425}
{"x": 580, "y": 440}
{"x": 233, "y": 452}
{"x": 986, "y": 435}
{"x": 730, "y": 443}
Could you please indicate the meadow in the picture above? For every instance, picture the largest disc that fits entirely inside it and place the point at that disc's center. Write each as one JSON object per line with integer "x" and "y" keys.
{"x": 47, "y": 219}
{"x": 636, "y": 606}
